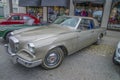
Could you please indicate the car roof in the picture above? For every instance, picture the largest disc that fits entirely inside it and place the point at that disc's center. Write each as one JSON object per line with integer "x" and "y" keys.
{"x": 19, "y": 14}
{"x": 81, "y": 17}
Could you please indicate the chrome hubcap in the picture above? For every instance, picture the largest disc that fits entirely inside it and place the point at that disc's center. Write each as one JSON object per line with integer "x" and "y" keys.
{"x": 52, "y": 59}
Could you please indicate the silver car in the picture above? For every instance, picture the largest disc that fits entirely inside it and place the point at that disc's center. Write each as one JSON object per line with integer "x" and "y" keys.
{"x": 48, "y": 45}
{"x": 116, "y": 56}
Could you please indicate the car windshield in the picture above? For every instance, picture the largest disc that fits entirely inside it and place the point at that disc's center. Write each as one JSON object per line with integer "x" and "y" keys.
{"x": 67, "y": 21}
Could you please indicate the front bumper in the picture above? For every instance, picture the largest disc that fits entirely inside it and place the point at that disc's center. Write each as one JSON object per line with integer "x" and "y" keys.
{"x": 17, "y": 59}
{"x": 117, "y": 56}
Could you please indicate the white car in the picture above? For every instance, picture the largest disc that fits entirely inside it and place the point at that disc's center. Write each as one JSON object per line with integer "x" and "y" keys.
{"x": 47, "y": 45}
{"x": 116, "y": 56}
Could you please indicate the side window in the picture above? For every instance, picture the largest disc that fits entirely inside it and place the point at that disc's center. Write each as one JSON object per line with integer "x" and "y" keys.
{"x": 26, "y": 18}
{"x": 86, "y": 24}
{"x": 16, "y": 18}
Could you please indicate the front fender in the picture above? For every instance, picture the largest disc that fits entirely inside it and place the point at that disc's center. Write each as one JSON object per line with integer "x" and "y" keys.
{"x": 3, "y": 33}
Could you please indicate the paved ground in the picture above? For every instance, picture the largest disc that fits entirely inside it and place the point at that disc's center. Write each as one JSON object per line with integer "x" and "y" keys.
{"x": 91, "y": 63}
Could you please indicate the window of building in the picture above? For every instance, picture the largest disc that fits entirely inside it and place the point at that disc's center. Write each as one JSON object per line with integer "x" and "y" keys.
{"x": 15, "y": 1}
{"x": 15, "y": 10}
{"x": 36, "y": 11}
{"x": 54, "y": 12}
{"x": 114, "y": 18}
{"x": 1, "y": 12}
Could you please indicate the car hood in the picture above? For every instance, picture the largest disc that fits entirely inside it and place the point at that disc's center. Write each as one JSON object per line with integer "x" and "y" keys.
{"x": 40, "y": 33}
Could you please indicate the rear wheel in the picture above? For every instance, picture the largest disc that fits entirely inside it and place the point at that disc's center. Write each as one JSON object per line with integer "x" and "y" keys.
{"x": 99, "y": 39}
{"x": 53, "y": 58}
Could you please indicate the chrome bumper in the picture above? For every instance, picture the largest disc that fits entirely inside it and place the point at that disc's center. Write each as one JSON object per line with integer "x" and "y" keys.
{"x": 117, "y": 56}
{"x": 17, "y": 59}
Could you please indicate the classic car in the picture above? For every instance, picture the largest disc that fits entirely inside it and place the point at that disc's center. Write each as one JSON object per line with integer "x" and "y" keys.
{"x": 6, "y": 29}
{"x": 47, "y": 45}
{"x": 116, "y": 56}
{"x": 19, "y": 18}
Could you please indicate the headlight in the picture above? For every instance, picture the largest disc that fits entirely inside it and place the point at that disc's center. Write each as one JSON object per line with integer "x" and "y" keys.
{"x": 11, "y": 33}
{"x": 6, "y": 37}
{"x": 31, "y": 48}
{"x": 119, "y": 50}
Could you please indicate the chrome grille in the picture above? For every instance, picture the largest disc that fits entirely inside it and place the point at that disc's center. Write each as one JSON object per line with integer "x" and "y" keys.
{"x": 13, "y": 44}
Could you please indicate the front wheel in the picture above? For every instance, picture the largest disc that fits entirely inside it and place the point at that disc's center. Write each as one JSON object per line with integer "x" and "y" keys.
{"x": 53, "y": 58}
{"x": 114, "y": 61}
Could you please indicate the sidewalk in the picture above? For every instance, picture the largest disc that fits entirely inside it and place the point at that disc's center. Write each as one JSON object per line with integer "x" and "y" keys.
{"x": 114, "y": 27}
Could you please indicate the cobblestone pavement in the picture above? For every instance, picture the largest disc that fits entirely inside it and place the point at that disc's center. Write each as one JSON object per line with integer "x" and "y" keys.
{"x": 91, "y": 63}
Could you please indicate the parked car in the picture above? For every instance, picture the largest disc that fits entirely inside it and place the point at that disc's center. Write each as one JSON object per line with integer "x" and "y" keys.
{"x": 20, "y": 18}
{"x": 6, "y": 29}
{"x": 116, "y": 56}
{"x": 47, "y": 45}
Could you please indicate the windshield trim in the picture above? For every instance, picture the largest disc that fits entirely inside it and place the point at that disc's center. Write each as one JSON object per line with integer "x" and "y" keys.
{"x": 78, "y": 23}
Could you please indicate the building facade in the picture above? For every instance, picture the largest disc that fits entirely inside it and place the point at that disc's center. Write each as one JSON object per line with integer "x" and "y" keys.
{"x": 114, "y": 17}
{"x": 48, "y": 10}
{"x": 4, "y": 8}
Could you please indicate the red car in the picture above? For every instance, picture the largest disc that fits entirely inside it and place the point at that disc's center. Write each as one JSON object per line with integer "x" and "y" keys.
{"x": 20, "y": 18}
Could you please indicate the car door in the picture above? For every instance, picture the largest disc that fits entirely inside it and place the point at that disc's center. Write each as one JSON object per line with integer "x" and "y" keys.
{"x": 92, "y": 30}
{"x": 85, "y": 34}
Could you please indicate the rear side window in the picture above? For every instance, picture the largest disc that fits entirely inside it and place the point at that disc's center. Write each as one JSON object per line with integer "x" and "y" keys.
{"x": 86, "y": 24}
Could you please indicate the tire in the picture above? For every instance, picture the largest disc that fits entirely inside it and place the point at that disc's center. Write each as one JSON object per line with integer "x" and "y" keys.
{"x": 6, "y": 37}
{"x": 53, "y": 58}
{"x": 114, "y": 61}
{"x": 99, "y": 39}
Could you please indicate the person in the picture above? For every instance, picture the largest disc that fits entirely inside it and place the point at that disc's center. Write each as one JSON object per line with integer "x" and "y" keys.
{"x": 67, "y": 12}
{"x": 90, "y": 12}
{"x": 38, "y": 16}
{"x": 83, "y": 12}
{"x": 91, "y": 25}
{"x": 77, "y": 12}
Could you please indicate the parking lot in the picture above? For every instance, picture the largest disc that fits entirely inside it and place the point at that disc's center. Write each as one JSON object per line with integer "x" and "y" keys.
{"x": 91, "y": 63}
